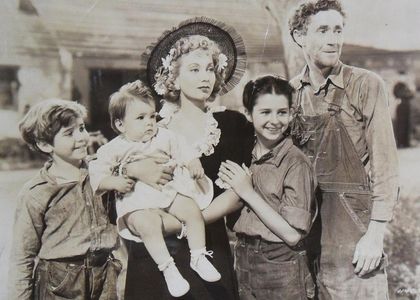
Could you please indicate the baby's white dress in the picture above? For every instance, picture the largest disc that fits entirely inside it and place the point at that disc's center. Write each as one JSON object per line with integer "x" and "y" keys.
{"x": 120, "y": 150}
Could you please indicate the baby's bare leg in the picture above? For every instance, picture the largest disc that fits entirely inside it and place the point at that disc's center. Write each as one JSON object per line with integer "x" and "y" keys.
{"x": 147, "y": 224}
{"x": 171, "y": 225}
{"x": 186, "y": 210}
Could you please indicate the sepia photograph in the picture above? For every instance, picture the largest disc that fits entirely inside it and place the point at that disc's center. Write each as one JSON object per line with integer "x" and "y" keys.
{"x": 220, "y": 149}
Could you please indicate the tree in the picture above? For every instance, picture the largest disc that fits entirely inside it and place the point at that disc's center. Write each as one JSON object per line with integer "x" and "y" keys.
{"x": 280, "y": 11}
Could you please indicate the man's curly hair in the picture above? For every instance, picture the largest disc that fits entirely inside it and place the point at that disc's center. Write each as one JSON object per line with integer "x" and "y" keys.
{"x": 299, "y": 20}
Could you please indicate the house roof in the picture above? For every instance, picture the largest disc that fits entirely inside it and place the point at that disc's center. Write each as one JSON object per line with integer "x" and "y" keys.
{"x": 124, "y": 28}
{"x": 23, "y": 34}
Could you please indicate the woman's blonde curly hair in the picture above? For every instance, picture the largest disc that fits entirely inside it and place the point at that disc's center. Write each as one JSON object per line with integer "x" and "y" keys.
{"x": 166, "y": 75}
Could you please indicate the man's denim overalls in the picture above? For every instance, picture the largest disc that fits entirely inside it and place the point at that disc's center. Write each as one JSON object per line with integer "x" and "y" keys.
{"x": 345, "y": 201}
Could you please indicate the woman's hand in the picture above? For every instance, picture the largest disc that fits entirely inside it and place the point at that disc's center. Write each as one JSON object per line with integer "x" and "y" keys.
{"x": 239, "y": 178}
{"x": 151, "y": 169}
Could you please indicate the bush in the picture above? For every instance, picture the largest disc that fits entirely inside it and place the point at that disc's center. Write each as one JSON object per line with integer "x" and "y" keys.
{"x": 15, "y": 154}
{"x": 402, "y": 244}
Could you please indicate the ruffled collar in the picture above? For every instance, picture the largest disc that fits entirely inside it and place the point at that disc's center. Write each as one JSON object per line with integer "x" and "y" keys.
{"x": 205, "y": 145}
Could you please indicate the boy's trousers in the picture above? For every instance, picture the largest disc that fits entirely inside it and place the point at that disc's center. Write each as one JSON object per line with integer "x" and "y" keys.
{"x": 91, "y": 277}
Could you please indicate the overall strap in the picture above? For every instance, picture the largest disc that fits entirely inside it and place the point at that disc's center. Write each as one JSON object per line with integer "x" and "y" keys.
{"x": 338, "y": 99}
{"x": 299, "y": 109}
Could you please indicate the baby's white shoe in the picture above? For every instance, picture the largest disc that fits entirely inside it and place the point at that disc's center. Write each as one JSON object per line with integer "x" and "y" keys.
{"x": 177, "y": 285}
{"x": 200, "y": 264}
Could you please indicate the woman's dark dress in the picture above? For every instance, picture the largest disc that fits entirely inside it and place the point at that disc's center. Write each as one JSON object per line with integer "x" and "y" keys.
{"x": 145, "y": 281}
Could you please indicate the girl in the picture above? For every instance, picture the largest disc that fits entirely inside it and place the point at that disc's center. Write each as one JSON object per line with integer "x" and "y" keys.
{"x": 133, "y": 117}
{"x": 189, "y": 66}
{"x": 270, "y": 256}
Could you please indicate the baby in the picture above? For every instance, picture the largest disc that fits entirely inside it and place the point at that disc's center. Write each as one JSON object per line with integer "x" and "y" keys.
{"x": 140, "y": 207}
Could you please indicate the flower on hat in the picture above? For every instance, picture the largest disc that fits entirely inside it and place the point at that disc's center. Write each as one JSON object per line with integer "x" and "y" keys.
{"x": 172, "y": 52}
{"x": 160, "y": 88}
{"x": 160, "y": 78}
{"x": 166, "y": 62}
{"x": 222, "y": 62}
{"x": 204, "y": 44}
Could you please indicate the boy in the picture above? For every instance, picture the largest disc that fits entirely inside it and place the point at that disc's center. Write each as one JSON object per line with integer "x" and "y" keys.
{"x": 58, "y": 221}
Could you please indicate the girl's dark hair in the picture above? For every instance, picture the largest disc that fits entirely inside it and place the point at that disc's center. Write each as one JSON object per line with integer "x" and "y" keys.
{"x": 268, "y": 84}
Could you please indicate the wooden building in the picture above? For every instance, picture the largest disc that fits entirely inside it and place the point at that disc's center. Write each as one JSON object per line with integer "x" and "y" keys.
{"x": 86, "y": 49}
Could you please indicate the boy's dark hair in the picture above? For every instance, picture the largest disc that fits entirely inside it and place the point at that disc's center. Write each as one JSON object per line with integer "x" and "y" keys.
{"x": 128, "y": 93}
{"x": 45, "y": 119}
{"x": 299, "y": 20}
{"x": 268, "y": 84}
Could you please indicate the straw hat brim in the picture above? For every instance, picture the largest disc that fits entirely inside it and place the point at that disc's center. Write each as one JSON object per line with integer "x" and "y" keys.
{"x": 226, "y": 37}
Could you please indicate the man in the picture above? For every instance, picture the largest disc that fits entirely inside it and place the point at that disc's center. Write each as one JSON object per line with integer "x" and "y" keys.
{"x": 403, "y": 118}
{"x": 343, "y": 124}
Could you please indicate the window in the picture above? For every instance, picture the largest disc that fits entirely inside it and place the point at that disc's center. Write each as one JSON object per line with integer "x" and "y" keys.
{"x": 9, "y": 86}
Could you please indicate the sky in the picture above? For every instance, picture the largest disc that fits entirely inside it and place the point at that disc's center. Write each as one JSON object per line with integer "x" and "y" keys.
{"x": 388, "y": 24}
